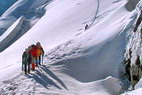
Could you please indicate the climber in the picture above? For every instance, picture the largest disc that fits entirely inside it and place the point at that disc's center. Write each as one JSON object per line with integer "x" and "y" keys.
{"x": 40, "y": 53}
{"x": 23, "y": 59}
{"x": 29, "y": 60}
{"x": 26, "y": 61}
{"x": 138, "y": 22}
{"x": 33, "y": 52}
{"x": 86, "y": 26}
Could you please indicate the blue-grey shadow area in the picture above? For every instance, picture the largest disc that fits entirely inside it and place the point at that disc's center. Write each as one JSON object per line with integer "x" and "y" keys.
{"x": 25, "y": 8}
{"x": 54, "y": 76}
{"x": 5, "y": 4}
{"x": 44, "y": 80}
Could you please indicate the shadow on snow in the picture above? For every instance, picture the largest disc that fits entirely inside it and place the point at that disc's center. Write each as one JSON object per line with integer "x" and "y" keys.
{"x": 44, "y": 80}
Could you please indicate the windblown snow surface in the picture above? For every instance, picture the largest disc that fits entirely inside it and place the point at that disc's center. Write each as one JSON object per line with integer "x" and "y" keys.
{"x": 77, "y": 61}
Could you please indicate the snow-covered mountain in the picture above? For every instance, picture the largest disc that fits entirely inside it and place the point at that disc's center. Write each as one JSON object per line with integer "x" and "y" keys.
{"x": 30, "y": 9}
{"x": 77, "y": 61}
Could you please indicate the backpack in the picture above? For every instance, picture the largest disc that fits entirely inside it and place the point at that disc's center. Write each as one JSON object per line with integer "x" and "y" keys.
{"x": 39, "y": 51}
{"x": 25, "y": 57}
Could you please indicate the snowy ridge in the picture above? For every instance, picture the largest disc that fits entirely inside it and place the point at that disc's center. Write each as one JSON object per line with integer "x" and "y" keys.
{"x": 78, "y": 56}
{"x": 46, "y": 79}
{"x": 19, "y": 9}
{"x": 135, "y": 45}
{"x": 77, "y": 62}
{"x": 20, "y": 27}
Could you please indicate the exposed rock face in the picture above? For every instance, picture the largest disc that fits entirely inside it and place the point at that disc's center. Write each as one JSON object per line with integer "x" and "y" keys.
{"x": 131, "y": 4}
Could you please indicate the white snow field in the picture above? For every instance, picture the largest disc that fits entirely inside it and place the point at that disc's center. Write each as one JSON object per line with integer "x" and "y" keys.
{"x": 77, "y": 61}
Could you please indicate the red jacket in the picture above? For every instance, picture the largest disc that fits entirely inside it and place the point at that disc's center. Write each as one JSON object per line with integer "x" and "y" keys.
{"x": 34, "y": 51}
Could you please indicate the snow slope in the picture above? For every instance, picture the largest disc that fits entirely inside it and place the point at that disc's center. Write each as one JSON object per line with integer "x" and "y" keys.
{"x": 27, "y": 8}
{"x": 20, "y": 27}
{"x": 77, "y": 62}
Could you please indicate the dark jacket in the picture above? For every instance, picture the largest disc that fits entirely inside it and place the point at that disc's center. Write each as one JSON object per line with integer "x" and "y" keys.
{"x": 26, "y": 58}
